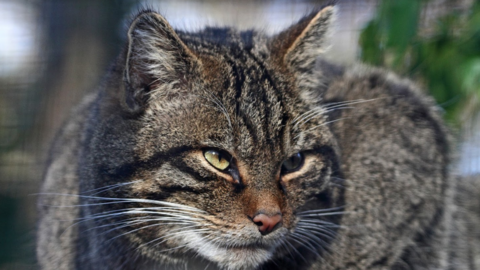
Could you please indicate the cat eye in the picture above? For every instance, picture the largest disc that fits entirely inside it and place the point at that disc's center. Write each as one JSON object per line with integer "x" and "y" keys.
{"x": 218, "y": 159}
{"x": 292, "y": 163}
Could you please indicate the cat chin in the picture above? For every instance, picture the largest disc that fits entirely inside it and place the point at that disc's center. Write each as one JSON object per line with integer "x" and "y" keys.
{"x": 237, "y": 258}
{"x": 233, "y": 258}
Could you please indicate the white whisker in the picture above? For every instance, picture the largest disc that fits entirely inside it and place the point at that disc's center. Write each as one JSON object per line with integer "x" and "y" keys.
{"x": 321, "y": 223}
{"x": 322, "y": 210}
{"x": 110, "y": 187}
{"x": 320, "y": 242}
{"x": 295, "y": 237}
{"x": 324, "y": 110}
{"x": 127, "y": 200}
{"x": 324, "y": 214}
{"x": 313, "y": 229}
{"x": 295, "y": 249}
{"x": 139, "y": 222}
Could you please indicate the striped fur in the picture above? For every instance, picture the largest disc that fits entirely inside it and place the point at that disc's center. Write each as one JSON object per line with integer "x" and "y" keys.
{"x": 129, "y": 176}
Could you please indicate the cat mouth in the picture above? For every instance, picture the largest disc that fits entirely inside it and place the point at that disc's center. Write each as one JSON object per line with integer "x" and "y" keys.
{"x": 252, "y": 253}
{"x": 249, "y": 256}
{"x": 244, "y": 247}
{"x": 241, "y": 245}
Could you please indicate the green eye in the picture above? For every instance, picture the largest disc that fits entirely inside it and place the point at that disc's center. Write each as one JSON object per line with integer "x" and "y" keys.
{"x": 217, "y": 159}
{"x": 292, "y": 163}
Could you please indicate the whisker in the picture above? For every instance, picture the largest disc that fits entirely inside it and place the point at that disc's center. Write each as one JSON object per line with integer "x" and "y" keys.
{"x": 322, "y": 210}
{"x": 324, "y": 109}
{"x": 132, "y": 223}
{"x": 159, "y": 210}
{"x": 135, "y": 230}
{"x": 220, "y": 105}
{"x": 127, "y": 200}
{"x": 295, "y": 249}
{"x": 175, "y": 233}
{"x": 130, "y": 212}
{"x": 324, "y": 214}
{"x": 178, "y": 218}
{"x": 312, "y": 229}
{"x": 321, "y": 243}
{"x": 103, "y": 189}
{"x": 350, "y": 102}
{"x": 326, "y": 123}
{"x": 320, "y": 222}
{"x": 285, "y": 247}
{"x": 301, "y": 119}
{"x": 296, "y": 238}
{"x": 321, "y": 125}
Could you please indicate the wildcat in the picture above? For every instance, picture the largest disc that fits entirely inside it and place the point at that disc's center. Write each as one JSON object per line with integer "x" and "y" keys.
{"x": 223, "y": 149}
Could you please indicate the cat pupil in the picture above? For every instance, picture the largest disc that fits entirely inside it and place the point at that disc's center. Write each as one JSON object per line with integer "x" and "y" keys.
{"x": 217, "y": 159}
{"x": 293, "y": 163}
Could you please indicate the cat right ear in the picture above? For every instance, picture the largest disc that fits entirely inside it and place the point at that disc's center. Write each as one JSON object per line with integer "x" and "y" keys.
{"x": 157, "y": 60}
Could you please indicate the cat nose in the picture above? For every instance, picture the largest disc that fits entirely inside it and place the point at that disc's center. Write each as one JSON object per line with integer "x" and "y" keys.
{"x": 267, "y": 223}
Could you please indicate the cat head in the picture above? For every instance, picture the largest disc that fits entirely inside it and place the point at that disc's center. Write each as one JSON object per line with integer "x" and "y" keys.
{"x": 219, "y": 141}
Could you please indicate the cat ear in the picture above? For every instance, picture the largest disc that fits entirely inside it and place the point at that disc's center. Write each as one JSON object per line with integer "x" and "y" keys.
{"x": 156, "y": 61}
{"x": 298, "y": 46}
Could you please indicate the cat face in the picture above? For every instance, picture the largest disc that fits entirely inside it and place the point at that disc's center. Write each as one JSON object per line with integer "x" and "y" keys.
{"x": 225, "y": 152}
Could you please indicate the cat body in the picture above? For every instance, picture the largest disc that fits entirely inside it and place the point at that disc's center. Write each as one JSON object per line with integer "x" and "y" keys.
{"x": 233, "y": 150}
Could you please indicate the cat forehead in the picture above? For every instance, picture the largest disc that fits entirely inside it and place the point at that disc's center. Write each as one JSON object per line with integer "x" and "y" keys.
{"x": 242, "y": 103}
{"x": 236, "y": 70}
{"x": 230, "y": 82}
{"x": 224, "y": 39}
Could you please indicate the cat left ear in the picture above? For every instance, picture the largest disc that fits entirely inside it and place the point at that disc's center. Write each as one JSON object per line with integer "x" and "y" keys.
{"x": 298, "y": 46}
{"x": 157, "y": 60}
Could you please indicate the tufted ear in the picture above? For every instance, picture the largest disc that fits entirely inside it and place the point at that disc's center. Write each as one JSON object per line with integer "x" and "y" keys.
{"x": 156, "y": 61}
{"x": 301, "y": 43}
{"x": 298, "y": 47}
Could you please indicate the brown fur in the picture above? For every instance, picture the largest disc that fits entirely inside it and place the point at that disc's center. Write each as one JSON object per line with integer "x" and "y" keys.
{"x": 129, "y": 176}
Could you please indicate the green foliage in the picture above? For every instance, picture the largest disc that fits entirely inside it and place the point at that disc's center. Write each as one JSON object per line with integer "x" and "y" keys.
{"x": 447, "y": 61}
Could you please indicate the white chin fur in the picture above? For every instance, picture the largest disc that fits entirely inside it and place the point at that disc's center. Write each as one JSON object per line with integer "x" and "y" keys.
{"x": 231, "y": 258}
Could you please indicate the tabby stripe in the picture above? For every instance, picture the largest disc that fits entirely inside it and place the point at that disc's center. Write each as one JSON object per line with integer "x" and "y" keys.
{"x": 239, "y": 79}
{"x": 128, "y": 170}
{"x": 275, "y": 91}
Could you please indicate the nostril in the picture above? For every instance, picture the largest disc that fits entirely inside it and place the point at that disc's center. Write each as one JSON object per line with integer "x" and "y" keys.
{"x": 258, "y": 223}
{"x": 266, "y": 224}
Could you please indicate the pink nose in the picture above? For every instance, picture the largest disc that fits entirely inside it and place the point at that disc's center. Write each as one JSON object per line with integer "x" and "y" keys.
{"x": 266, "y": 224}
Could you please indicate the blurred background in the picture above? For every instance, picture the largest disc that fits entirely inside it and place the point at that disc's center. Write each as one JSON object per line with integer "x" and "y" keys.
{"x": 54, "y": 51}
